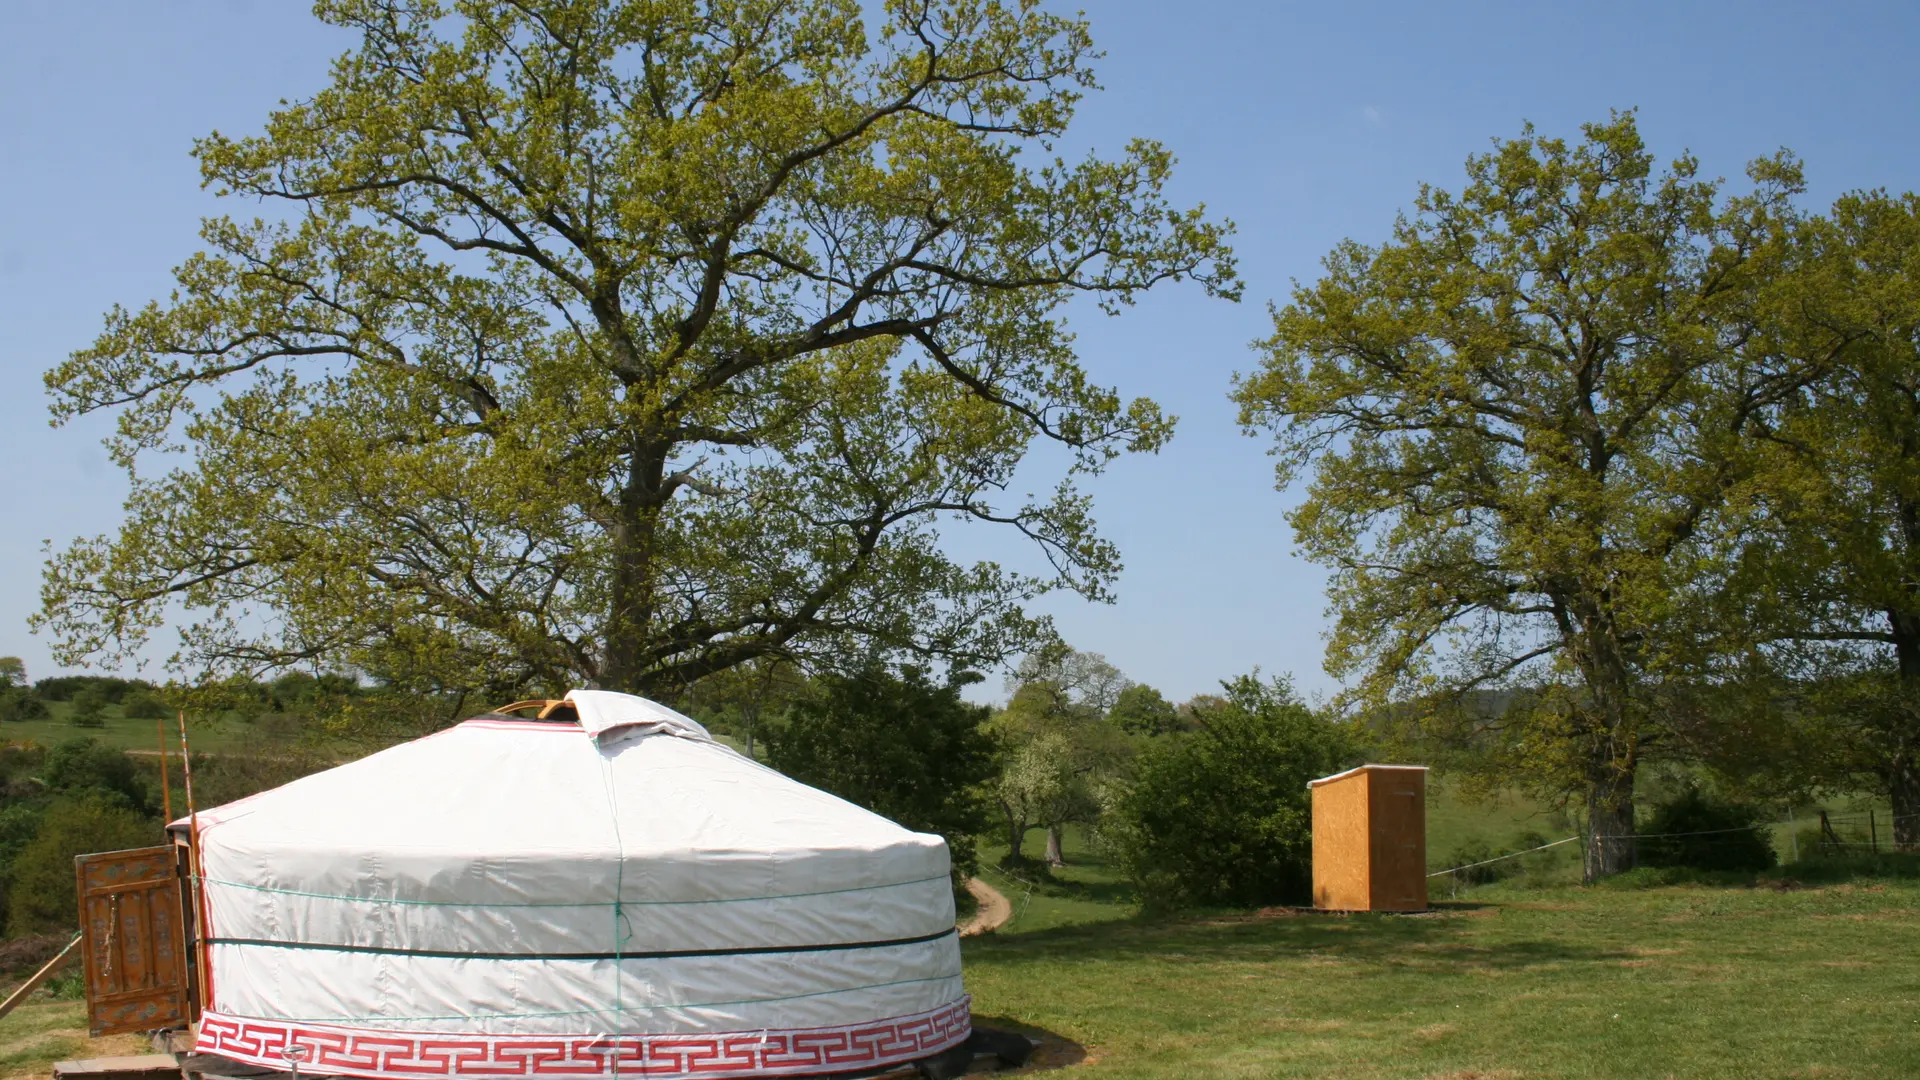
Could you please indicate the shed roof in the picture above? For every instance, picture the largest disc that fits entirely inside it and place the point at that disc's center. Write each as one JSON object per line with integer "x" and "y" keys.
{"x": 1361, "y": 769}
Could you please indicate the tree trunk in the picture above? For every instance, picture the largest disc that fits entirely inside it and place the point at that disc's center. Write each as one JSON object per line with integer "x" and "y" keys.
{"x": 1610, "y": 838}
{"x": 1055, "y": 855}
{"x": 1903, "y": 790}
{"x": 1016, "y": 837}
{"x": 631, "y": 590}
{"x": 1609, "y": 725}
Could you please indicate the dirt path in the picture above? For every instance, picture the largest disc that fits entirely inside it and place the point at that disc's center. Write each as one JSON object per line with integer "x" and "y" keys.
{"x": 994, "y": 909}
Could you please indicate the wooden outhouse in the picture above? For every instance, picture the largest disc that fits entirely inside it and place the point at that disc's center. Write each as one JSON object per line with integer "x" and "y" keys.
{"x": 1370, "y": 839}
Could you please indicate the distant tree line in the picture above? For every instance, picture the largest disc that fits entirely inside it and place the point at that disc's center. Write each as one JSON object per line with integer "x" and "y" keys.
{"x": 79, "y": 794}
{"x": 1199, "y": 803}
{"x": 1202, "y": 803}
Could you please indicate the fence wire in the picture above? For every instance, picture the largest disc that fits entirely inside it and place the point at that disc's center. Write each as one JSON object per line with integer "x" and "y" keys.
{"x": 1867, "y": 818}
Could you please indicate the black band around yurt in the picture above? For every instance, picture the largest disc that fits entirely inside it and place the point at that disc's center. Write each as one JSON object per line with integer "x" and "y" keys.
{"x": 751, "y": 950}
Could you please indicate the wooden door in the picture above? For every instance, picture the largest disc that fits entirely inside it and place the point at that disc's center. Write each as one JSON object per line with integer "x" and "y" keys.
{"x": 134, "y": 948}
{"x": 1399, "y": 823}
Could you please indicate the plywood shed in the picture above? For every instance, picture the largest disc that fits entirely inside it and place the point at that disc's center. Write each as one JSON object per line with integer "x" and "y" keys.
{"x": 1370, "y": 839}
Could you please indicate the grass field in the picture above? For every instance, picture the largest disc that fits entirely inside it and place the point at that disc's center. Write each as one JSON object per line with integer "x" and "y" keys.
{"x": 226, "y": 734}
{"x": 1620, "y": 981}
{"x": 205, "y": 735}
{"x": 40, "y": 1033}
{"x": 1682, "y": 981}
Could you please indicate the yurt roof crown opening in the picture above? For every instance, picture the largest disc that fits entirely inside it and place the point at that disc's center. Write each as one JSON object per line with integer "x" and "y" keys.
{"x": 612, "y": 893}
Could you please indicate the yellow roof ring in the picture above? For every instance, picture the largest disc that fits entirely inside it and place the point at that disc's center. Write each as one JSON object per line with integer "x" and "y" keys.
{"x": 547, "y": 706}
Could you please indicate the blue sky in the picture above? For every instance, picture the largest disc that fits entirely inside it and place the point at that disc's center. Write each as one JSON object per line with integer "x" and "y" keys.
{"x": 1304, "y": 124}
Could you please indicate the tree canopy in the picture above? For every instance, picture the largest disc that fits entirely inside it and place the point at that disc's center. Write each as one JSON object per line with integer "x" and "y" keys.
{"x": 901, "y": 745}
{"x": 1142, "y": 710}
{"x": 1524, "y": 414}
{"x": 1084, "y": 680}
{"x": 1061, "y": 751}
{"x": 1829, "y": 577}
{"x": 41, "y": 891}
{"x": 17, "y": 699}
{"x": 1222, "y": 815}
{"x": 626, "y": 342}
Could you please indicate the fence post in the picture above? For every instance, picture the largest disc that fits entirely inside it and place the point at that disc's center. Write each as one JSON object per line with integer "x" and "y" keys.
{"x": 1587, "y": 855}
{"x": 1793, "y": 834}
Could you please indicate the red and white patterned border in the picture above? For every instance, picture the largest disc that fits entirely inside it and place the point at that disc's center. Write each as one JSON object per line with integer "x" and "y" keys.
{"x": 408, "y": 1055}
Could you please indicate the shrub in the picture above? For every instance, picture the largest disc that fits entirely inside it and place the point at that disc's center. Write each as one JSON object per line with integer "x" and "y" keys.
{"x": 297, "y": 690}
{"x": 144, "y": 705}
{"x": 89, "y": 708}
{"x": 69, "y": 985}
{"x": 1466, "y": 855}
{"x": 1838, "y": 867}
{"x": 1806, "y": 841}
{"x": 81, "y": 767}
{"x": 1657, "y": 877}
{"x": 20, "y": 957}
{"x": 67, "y": 687}
{"x": 21, "y": 703}
{"x": 19, "y": 823}
{"x": 41, "y": 896}
{"x": 1526, "y": 860}
{"x": 1705, "y": 833}
{"x": 223, "y": 778}
{"x": 20, "y": 767}
{"x": 1220, "y": 816}
{"x": 902, "y": 746}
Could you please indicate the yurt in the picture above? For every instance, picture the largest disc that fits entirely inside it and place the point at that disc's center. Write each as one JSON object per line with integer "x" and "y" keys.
{"x": 607, "y": 891}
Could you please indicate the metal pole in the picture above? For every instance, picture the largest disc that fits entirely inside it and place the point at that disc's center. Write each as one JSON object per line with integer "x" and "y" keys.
{"x": 197, "y": 871}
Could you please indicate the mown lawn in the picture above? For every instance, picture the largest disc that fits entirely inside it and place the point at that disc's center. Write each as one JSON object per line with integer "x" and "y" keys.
{"x": 1780, "y": 980}
{"x": 205, "y": 735}
{"x": 42, "y": 1032}
{"x": 229, "y": 733}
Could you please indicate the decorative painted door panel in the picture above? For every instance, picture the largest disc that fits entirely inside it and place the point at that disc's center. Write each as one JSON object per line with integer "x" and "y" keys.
{"x": 134, "y": 947}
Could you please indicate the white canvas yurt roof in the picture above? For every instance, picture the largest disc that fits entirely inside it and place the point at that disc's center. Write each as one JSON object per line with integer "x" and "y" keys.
{"x": 619, "y": 895}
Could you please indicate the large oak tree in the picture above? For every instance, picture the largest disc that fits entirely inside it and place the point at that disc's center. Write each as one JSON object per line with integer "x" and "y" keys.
{"x": 1830, "y": 578}
{"x": 626, "y": 342}
{"x": 1523, "y": 415}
